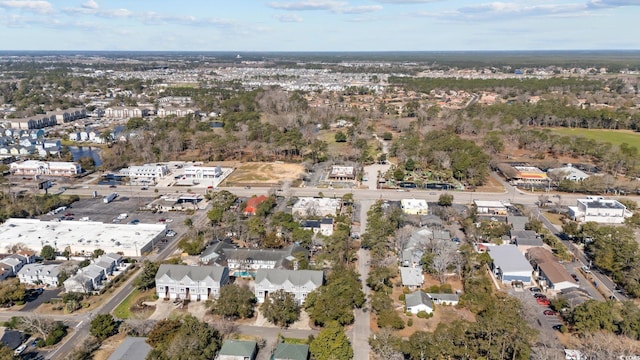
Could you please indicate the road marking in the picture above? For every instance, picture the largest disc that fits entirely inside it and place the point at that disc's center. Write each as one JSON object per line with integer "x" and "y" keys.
{"x": 80, "y": 323}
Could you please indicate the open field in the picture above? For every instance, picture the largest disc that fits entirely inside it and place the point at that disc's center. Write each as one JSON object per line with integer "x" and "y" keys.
{"x": 129, "y": 308}
{"x": 615, "y": 137}
{"x": 264, "y": 173}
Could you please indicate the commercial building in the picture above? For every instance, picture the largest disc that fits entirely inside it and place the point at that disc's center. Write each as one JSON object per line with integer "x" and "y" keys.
{"x": 530, "y": 175}
{"x": 414, "y": 206}
{"x": 569, "y": 172}
{"x": 551, "y": 273}
{"x": 509, "y": 265}
{"x": 47, "y": 168}
{"x": 600, "y": 210}
{"x": 310, "y": 206}
{"x": 490, "y": 207}
{"x": 342, "y": 173}
{"x": 146, "y": 171}
{"x": 82, "y": 237}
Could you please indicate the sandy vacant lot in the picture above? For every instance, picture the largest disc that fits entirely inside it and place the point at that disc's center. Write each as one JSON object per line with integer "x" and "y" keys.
{"x": 264, "y": 173}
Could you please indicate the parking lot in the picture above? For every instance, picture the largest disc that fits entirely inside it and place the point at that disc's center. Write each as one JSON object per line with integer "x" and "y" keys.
{"x": 94, "y": 209}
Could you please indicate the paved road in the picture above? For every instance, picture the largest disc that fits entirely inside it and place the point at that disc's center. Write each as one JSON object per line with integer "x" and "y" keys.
{"x": 361, "y": 330}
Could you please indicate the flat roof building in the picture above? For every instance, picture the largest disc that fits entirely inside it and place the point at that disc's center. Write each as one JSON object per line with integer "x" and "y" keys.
{"x": 81, "y": 237}
{"x": 509, "y": 264}
{"x": 414, "y": 206}
{"x": 600, "y": 210}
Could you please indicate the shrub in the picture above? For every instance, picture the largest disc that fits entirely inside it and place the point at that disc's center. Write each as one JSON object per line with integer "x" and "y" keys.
{"x": 401, "y": 297}
{"x": 410, "y": 322}
{"x": 423, "y": 314}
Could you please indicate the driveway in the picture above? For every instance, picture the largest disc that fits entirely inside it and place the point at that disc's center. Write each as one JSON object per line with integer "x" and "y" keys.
{"x": 47, "y": 295}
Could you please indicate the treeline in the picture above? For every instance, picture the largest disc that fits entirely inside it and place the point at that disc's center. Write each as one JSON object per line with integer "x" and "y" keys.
{"x": 30, "y": 205}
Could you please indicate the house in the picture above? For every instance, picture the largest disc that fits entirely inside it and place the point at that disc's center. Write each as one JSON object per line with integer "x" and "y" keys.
{"x": 238, "y": 350}
{"x": 323, "y": 226}
{"x": 83, "y": 282}
{"x": 411, "y": 277}
{"x": 36, "y": 273}
{"x": 15, "y": 262}
{"x": 551, "y": 273}
{"x": 509, "y": 265}
{"x": 285, "y": 351}
{"x": 193, "y": 283}
{"x": 490, "y": 207}
{"x": 444, "y": 299}
{"x": 517, "y": 222}
{"x": 109, "y": 263}
{"x": 11, "y": 338}
{"x": 297, "y": 282}
{"x": 417, "y": 302}
{"x": 253, "y": 203}
{"x": 525, "y": 239}
{"x": 5, "y": 271}
{"x": 600, "y": 210}
{"x": 131, "y": 348}
{"x": 414, "y": 206}
{"x": 568, "y": 172}
{"x": 243, "y": 260}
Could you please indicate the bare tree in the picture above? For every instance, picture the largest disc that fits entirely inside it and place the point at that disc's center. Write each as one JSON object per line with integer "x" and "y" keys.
{"x": 402, "y": 237}
{"x": 385, "y": 345}
{"x": 36, "y": 324}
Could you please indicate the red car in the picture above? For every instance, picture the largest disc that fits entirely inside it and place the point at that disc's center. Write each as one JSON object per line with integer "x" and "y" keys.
{"x": 544, "y": 301}
{"x": 550, "y": 312}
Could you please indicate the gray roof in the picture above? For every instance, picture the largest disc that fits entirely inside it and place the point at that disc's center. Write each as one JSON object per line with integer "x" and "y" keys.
{"x": 517, "y": 222}
{"x": 411, "y": 276}
{"x": 197, "y": 273}
{"x": 238, "y": 348}
{"x": 286, "y": 351}
{"x": 326, "y": 221}
{"x": 296, "y": 277}
{"x": 444, "y": 297}
{"x": 509, "y": 259}
{"x": 313, "y": 224}
{"x": 40, "y": 269}
{"x": 228, "y": 252}
{"x": 131, "y": 348}
{"x": 10, "y": 338}
{"x": 418, "y": 298}
{"x": 526, "y": 238}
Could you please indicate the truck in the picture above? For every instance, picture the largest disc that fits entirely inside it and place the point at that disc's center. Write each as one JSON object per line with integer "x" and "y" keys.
{"x": 109, "y": 198}
{"x": 122, "y": 216}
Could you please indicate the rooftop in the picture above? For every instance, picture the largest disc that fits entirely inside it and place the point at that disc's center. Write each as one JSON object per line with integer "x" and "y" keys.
{"x": 509, "y": 259}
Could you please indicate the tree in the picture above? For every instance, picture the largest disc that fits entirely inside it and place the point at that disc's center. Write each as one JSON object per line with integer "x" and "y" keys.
{"x": 336, "y": 300}
{"x": 234, "y": 302}
{"x": 185, "y": 338}
{"x": 340, "y": 137}
{"x": 97, "y": 253}
{"x": 5, "y": 352}
{"x": 48, "y": 252}
{"x": 147, "y": 279}
{"x": 12, "y": 291}
{"x": 386, "y": 346}
{"x": 103, "y": 326}
{"x": 387, "y": 136}
{"x": 281, "y": 308}
{"x": 445, "y": 199}
{"x": 398, "y": 174}
{"x": 331, "y": 344}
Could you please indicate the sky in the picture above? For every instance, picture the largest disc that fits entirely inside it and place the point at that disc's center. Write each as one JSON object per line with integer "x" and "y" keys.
{"x": 319, "y": 25}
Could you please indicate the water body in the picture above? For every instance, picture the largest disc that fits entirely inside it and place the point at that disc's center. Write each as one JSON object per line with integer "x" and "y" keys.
{"x": 86, "y": 151}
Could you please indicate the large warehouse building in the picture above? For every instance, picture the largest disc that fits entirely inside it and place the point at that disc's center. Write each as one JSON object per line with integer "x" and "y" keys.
{"x": 81, "y": 237}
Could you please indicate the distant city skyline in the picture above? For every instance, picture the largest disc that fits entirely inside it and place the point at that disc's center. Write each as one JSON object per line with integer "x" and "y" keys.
{"x": 319, "y": 25}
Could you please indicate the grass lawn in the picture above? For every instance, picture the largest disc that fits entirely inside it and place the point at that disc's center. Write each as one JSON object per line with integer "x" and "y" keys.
{"x": 615, "y": 137}
{"x": 124, "y": 310}
{"x": 555, "y": 219}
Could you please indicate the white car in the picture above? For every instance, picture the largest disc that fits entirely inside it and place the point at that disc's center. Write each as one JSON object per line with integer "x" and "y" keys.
{"x": 20, "y": 349}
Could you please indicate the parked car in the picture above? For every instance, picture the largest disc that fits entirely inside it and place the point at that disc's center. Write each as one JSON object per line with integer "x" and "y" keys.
{"x": 112, "y": 186}
{"x": 20, "y": 349}
{"x": 550, "y": 312}
{"x": 144, "y": 188}
{"x": 557, "y": 327}
{"x": 575, "y": 277}
{"x": 535, "y": 289}
{"x": 585, "y": 269}
{"x": 544, "y": 302}
{"x": 539, "y": 296}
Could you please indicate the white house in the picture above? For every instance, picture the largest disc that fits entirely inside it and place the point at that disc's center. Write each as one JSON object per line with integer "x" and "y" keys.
{"x": 15, "y": 262}
{"x": 310, "y": 206}
{"x": 490, "y": 207}
{"x": 600, "y": 210}
{"x": 421, "y": 301}
{"x": 297, "y": 282}
{"x": 193, "y": 283}
{"x": 33, "y": 274}
{"x": 411, "y": 277}
{"x": 87, "y": 279}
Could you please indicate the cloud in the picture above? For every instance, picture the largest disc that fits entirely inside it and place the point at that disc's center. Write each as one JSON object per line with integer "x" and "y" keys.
{"x": 91, "y": 4}
{"x": 288, "y": 18}
{"x": 508, "y": 10}
{"x": 336, "y": 7}
{"x": 154, "y": 18}
{"x": 599, "y": 4}
{"x": 37, "y": 6}
{"x": 308, "y": 5}
{"x": 407, "y": 1}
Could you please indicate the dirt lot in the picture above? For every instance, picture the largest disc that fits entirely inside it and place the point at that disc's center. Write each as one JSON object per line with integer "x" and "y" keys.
{"x": 263, "y": 173}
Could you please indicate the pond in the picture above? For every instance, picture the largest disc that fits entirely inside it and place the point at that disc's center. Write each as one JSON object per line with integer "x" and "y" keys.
{"x": 86, "y": 151}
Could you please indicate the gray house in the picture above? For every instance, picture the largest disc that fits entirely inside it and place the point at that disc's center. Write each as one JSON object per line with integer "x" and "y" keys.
{"x": 286, "y": 351}
{"x": 297, "y": 282}
{"x": 238, "y": 350}
{"x": 193, "y": 283}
